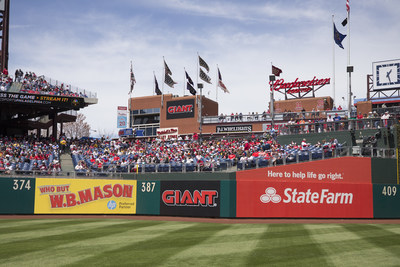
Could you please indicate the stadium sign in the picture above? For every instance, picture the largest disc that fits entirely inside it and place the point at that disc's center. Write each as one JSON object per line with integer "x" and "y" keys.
{"x": 304, "y": 200}
{"x": 180, "y": 109}
{"x": 301, "y": 88}
{"x": 36, "y": 99}
{"x": 234, "y": 129}
{"x": 190, "y": 198}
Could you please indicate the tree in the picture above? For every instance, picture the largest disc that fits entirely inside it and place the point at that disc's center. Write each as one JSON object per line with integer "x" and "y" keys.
{"x": 77, "y": 129}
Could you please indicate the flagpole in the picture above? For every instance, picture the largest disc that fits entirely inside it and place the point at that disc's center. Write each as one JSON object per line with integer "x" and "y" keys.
{"x": 333, "y": 62}
{"x": 184, "y": 79}
{"x": 154, "y": 84}
{"x": 197, "y": 82}
{"x": 348, "y": 61}
{"x": 271, "y": 108}
{"x": 163, "y": 81}
{"x": 216, "y": 85}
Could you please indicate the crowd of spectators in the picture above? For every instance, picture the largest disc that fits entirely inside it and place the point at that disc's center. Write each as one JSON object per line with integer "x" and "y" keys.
{"x": 6, "y": 81}
{"x": 28, "y": 154}
{"x": 33, "y": 84}
{"x": 112, "y": 155}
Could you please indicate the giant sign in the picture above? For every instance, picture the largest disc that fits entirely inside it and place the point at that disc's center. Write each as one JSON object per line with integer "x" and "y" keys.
{"x": 190, "y": 198}
{"x": 76, "y": 196}
{"x": 36, "y": 99}
{"x": 180, "y": 109}
{"x": 303, "y": 200}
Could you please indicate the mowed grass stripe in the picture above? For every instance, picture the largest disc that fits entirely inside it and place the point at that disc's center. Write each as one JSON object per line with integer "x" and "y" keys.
{"x": 43, "y": 243}
{"x": 38, "y": 226}
{"x": 7, "y": 223}
{"x": 287, "y": 245}
{"x": 54, "y": 229}
{"x": 234, "y": 243}
{"x": 347, "y": 248}
{"x": 69, "y": 253}
{"x": 158, "y": 250}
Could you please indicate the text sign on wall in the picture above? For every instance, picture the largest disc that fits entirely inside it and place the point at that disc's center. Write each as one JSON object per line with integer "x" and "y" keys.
{"x": 180, "y": 109}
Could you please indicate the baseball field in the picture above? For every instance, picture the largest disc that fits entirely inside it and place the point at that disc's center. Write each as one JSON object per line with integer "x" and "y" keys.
{"x": 126, "y": 241}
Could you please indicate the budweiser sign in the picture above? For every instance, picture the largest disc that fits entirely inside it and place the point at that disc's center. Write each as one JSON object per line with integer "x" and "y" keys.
{"x": 298, "y": 86}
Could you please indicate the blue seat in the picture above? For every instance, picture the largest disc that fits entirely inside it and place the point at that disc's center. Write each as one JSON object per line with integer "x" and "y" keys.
{"x": 190, "y": 167}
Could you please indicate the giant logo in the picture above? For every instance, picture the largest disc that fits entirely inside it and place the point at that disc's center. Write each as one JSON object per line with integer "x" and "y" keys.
{"x": 190, "y": 198}
{"x": 204, "y": 198}
{"x": 180, "y": 109}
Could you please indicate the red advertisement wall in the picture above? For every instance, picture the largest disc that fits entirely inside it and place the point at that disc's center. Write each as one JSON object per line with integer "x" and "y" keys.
{"x": 336, "y": 170}
{"x": 303, "y": 200}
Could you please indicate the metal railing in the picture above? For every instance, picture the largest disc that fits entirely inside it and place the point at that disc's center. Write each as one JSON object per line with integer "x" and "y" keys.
{"x": 73, "y": 89}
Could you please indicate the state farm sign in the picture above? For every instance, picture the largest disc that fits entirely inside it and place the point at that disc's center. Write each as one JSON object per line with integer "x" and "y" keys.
{"x": 180, "y": 109}
{"x": 303, "y": 200}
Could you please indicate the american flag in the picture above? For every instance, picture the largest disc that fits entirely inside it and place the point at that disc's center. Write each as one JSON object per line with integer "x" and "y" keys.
{"x": 221, "y": 84}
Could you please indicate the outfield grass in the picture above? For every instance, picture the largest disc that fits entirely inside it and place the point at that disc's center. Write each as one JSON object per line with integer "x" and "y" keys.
{"x": 115, "y": 242}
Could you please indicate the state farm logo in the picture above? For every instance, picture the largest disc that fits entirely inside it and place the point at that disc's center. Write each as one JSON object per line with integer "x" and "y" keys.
{"x": 292, "y": 195}
{"x": 270, "y": 196}
{"x": 204, "y": 198}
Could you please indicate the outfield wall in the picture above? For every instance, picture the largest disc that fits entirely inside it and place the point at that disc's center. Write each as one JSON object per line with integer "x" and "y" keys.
{"x": 334, "y": 188}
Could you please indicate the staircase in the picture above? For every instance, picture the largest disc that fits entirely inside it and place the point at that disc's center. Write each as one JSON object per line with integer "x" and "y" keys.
{"x": 66, "y": 163}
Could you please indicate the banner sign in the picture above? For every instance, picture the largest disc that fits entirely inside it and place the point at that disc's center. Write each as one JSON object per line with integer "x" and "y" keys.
{"x": 234, "y": 129}
{"x": 77, "y": 196}
{"x": 165, "y": 133}
{"x": 190, "y": 198}
{"x": 180, "y": 109}
{"x": 303, "y": 200}
{"x": 298, "y": 89}
{"x": 122, "y": 117}
{"x": 334, "y": 170}
{"x": 36, "y": 99}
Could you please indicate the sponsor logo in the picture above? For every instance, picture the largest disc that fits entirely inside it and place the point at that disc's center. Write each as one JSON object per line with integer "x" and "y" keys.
{"x": 270, "y": 196}
{"x": 204, "y": 198}
{"x": 111, "y": 205}
{"x": 62, "y": 197}
{"x": 180, "y": 109}
{"x": 294, "y": 196}
{"x": 234, "y": 129}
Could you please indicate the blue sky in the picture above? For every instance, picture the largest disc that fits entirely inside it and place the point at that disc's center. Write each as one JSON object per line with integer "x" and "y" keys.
{"x": 90, "y": 44}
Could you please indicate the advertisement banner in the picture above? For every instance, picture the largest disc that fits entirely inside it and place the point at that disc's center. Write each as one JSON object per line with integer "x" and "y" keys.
{"x": 234, "y": 129}
{"x": 122, "y": 117}
{"x": 36, "y": 99}
{"x": 335, "y": 170}
{"x": 190, "y": 198}
{"x": 267, "y": 199}
{"x": 75, "y": 196}
{"x": 180, "y": 109}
